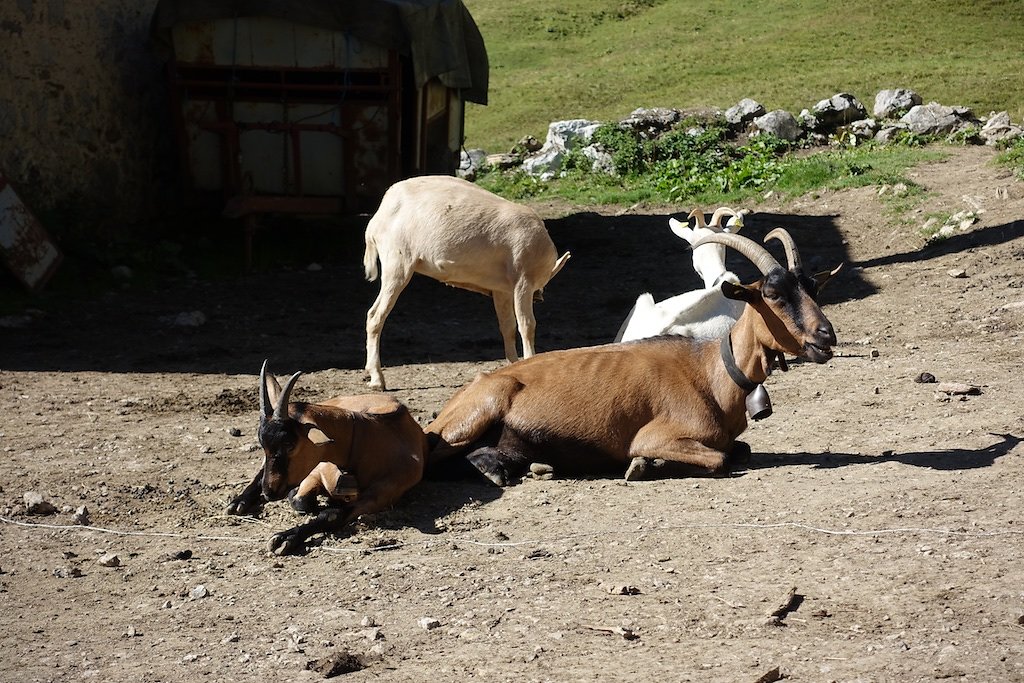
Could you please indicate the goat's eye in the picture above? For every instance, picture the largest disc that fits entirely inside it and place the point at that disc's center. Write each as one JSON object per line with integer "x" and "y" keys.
{"x": 771, "y": 295}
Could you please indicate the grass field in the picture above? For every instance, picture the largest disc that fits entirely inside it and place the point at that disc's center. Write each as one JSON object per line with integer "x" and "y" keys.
{"x": 600, "y": 59}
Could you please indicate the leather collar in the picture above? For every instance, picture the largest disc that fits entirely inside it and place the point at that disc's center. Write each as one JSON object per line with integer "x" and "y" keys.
{"x": 741, "y": 380}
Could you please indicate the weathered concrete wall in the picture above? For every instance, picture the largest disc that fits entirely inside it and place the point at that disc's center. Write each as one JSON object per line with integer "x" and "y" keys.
{"x": 82, "y": 108}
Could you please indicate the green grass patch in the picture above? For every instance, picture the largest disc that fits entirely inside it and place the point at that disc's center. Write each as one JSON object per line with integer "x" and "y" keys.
{"x": 600, "y": 59}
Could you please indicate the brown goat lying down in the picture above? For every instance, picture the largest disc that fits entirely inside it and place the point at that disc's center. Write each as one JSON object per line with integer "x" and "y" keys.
{"x": 361, "y": 452}
{"x": 618, "y": 407}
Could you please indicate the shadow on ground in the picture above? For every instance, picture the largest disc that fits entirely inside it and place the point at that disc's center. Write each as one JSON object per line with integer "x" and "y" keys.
{"x": 313, "y": 317}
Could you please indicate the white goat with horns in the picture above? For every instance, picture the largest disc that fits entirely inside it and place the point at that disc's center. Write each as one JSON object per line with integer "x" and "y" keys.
{"x": 701, "y": 313}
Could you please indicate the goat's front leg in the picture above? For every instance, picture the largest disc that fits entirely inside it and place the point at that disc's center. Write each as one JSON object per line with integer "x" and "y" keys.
{"x": 327, "y": 479}
{"x": 250, "y": 500}
{"x": 329, "y": 520}
{"x": 664, "y": 441}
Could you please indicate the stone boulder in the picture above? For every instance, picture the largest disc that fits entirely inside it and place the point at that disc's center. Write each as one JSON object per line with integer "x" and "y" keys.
{"x": 895, "y": 102}
{"x": 839, "y": 110}
{"x": 471, "y": 162}
{"x": 562, "y": 137}
{"x": 999, "y": 128}
{"x": 937, "y": 119}
{"x": 650, "y": 123}
{"x": 743, "y": 112}
{"x": 779, "y": 123}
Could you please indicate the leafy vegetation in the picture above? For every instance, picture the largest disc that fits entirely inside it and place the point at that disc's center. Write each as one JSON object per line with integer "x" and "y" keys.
{"x": 600, "y": 59}
{"x": 1013, "y": 157}
{"x": 701, "y": 161}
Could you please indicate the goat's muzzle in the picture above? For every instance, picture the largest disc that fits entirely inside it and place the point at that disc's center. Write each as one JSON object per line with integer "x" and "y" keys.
{"x": 819, "y": 349}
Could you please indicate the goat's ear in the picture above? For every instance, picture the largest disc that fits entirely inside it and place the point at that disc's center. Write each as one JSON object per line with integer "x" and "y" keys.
{"x": 735, "y": 224}
{"x": 682, "y": 230}
{"x": 318, "y": 437}
{"x": 273, "y": 390}
{"x": 822, "y": 278}
{"x": 732, "y": 290}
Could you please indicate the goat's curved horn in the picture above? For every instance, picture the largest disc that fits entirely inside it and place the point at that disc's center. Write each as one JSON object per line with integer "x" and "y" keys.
{"x": 716, "y": 217}
{"x": 264, "y": 392}
{"x": 699, "y": 216}
{"x": 757, "y": 254}
{"x": 792, "y": 255}
{"x": 281, "y": 411}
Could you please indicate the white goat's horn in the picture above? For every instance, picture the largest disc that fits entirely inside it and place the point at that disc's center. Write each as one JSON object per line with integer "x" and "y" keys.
{"x": 699, "y": 216}
{"x": 264, "y": 393}
{"x": 792, "y": 255}
{"x": 281, "y": 411}
{"x": 716, "y": 217}
{"x": 757, "y": 254}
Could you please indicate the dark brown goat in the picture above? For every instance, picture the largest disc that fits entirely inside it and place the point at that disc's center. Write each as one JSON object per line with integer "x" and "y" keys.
{"x": 614, "y": 408}
{"x": 362, "y": 452}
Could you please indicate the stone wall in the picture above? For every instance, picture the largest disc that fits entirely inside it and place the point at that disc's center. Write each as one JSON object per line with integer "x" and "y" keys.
{"x": 83, "y": 119}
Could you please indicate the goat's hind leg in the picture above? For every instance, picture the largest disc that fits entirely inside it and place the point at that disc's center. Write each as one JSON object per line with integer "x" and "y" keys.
{"x": 392, "y": 283}
{"x": 505, "y": 462}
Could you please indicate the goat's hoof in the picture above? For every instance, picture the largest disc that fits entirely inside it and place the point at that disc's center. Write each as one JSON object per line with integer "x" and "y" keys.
{"x": 739, "y": 456}
{"x": 307, "y": 505}
{"x": 637, "y": 469}
{"x": 285, "y": 543}
{"x": 241, "y": 506}
{"x": 490, "y": 463}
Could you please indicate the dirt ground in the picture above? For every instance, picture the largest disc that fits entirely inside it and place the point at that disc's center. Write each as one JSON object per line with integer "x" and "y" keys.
{"x": 892, "y": 510}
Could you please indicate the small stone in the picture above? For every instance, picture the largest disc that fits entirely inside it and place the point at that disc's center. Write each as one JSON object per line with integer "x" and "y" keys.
{"x": 166, "y": 604}
{"x": 198, "y": 592}
{"x": 191, "y": 657}
{"x": 957, "y": 273}
{"x": 925, "y": 378}
{"x": 233, "y": 638}
{"x": 132, "y": 632}
{"x": 82, "y": 516}
{"x": 234, "y": 431}
{"x": 428, "y": 623}
{"x": 958, "y": 389}
{"x": 121, "y": 273}
{"x": 376, "y": 633}
{"x": 110, "y": 560}
{"x": 368, "y": 621}
{"x": 541, "y": 468}
{"x": 619, "y": 589}
{"x": 67, "y": 572}
{"x": 314, "y": 268}
{"x": 336, "y": 664}
{"x": 35, "y": 505}
{"x": 874, "y": 353}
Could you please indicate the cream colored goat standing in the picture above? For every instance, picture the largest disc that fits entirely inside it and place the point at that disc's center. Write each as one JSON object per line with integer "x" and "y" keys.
{"x": 361, "y": 452}
{"x": 464, "y": 236}
{"x": 618, "y": 407}
{"x": 700, "y": 313}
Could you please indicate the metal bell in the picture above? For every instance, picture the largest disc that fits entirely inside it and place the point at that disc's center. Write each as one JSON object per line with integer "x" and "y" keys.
{"x": 759, "y": 406}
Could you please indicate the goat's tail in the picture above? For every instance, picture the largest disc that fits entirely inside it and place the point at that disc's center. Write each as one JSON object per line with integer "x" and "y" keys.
{"x": 370, "y": 259}
{"x": 559, "y": 263}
